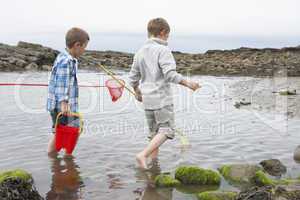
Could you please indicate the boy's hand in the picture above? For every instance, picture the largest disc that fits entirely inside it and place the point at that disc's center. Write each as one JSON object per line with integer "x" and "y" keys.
{"x": 190, "y": 84}
{"x": 138, "y": 94}
{"x": 64, "y": 107}
{"x": 193, "y": 85}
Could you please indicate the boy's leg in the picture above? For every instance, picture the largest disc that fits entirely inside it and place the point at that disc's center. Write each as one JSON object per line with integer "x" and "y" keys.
{"x": 161, "y": 121}
{"x": 51, "y": 145}
{"x": 154, "y": 154}
{"x": 153, "y": 129}
{"x": 154, "y": 144}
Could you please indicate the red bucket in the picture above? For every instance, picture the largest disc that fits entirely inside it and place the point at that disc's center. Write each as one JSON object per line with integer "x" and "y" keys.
{"x": 66, "y": 136}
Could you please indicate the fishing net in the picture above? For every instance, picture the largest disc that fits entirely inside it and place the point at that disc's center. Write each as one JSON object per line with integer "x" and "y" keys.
{"x": 115, "y": 88}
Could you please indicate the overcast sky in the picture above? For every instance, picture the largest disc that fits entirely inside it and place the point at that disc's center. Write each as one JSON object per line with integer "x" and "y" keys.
{"x": 248, "y": 17}
{"x": 241, "y": 18}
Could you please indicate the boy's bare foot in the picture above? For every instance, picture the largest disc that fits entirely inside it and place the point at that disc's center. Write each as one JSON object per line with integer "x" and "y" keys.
{"x": 141, "y": 160}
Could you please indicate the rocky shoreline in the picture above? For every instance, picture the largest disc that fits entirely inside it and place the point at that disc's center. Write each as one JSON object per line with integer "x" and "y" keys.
{"x": 238, "y": 62}
{"x": 263, "y": 181}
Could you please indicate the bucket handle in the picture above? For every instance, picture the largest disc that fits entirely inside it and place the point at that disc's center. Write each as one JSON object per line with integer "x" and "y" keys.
{"x": 71, "y": 114}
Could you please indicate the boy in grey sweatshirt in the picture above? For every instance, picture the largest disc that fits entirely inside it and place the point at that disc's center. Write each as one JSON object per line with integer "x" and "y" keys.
{"x": 152, "y": 72}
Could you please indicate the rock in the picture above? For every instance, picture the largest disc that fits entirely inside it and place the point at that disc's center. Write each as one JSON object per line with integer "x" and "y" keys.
{"x": 239, "y": 173}
{"x": 22, "y": 56}
{"x": 288, "y": 92}
{"x": 243, "y": 61}
{"x": 256, "y": 193}
{"x": 46, "y": 68}
{"x": 217, "y": 195}
{"x": 191, "y": 175}
{"x": 285, "y": 193}
{"x": 273, "y": 167}
{"x": 261, "y": 179}
{"x": 21, "y": 63}
{"x": 18, "y": 185}
{"x": 297, "y": 154}
{"x": 165, "y": 180}
{"x": 269, "y": 193}
{"x": 32, "y": 66}
{"x": 27, "y": 45}
{"x": 241, "y": 103}
{"x": 237, "y": 105}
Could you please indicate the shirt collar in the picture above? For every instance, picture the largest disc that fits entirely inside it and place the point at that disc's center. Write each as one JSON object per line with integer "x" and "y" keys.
{"x": 66, "y": 52}
{"x": 159, "y": 41}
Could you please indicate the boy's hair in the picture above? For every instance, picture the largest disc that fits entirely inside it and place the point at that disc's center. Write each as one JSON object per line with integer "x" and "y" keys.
{"x": 76, "y": 35}
{"x": 156, "y": 26}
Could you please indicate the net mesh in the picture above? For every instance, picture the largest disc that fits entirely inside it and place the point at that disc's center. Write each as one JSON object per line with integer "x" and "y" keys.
{"x": 115, "y": 88}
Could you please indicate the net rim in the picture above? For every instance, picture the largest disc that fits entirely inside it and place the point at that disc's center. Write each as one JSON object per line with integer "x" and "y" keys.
{"x": 117, "y": 87}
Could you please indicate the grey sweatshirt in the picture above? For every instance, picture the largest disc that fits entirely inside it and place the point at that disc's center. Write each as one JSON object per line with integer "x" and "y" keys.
{"x": 153, "y": 69}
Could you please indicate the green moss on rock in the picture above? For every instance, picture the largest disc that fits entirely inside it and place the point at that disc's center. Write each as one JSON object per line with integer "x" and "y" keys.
{"x": 18, "y": 184}
{"x": 225, "y": 171}
{"x": 18, "y": 173}
{"x": 164, "y": 180}
{"x": 261, "y": 179}
{"x": 217, "y": 195}
{"x": 191, "y": 175}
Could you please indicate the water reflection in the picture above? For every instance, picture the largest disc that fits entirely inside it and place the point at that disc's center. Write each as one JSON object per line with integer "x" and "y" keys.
{"x": 66, "y": 181}
{"x": 150, "y": 192}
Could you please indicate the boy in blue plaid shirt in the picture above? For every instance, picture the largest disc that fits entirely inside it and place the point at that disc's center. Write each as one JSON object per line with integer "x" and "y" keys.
{"x": 63, "y": 85}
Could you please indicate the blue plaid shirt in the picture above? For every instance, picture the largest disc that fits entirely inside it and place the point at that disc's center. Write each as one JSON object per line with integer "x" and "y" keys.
{"x": 63, "y": 85}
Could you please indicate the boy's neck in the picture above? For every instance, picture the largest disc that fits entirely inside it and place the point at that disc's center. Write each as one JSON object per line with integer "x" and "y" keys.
{"x": 158, "y": 37}
{"x": 71, "y": 52}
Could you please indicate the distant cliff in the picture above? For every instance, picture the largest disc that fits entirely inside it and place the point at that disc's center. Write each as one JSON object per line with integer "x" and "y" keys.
{"x": 240, "y": 62}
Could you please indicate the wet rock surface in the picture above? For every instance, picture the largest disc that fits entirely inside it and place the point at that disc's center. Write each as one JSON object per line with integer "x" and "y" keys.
{"x": 256, "y": 193}
{"x": 18, "y": 185}
{"x": 273, "y": 167}
{"x": 239, "y": 174}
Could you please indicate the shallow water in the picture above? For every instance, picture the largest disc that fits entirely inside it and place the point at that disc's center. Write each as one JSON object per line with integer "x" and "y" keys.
{"x": 104, "y": 166}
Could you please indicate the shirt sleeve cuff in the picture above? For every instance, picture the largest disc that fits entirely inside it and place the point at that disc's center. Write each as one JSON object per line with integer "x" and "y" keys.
{"x": 178, "y": 78}
{"x": 64, "y": 98}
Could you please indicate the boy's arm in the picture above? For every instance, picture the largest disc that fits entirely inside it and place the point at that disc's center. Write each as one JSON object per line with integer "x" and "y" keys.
{"x": 63, "y": 81}
{"x": 190, "y": 84}
{"x": 134, "y": 78}
{"x": 168, "y": 66}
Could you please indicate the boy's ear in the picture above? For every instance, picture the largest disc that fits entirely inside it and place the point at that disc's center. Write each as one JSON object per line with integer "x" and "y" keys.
{"x": 163, "y": 33}
{"x": 77, "y": 44}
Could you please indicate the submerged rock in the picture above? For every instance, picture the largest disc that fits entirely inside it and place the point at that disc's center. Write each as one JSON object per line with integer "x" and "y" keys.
{"x": 239, "y": 173}
{"x": 288, "y": 92}
{"x": 269, "y": 193}
{"x": 297, "y": 154}
{"x": 257, "y": 193}
{"x": 191, "y": 175}
{"x": 285, "y": 193}
{"x": 217, "y": 195}
{"x": 273, "y": 167}
{"x": 17, "y": 185}
{"x": 166, "y": 180}
{"x": 242, "y": 103}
